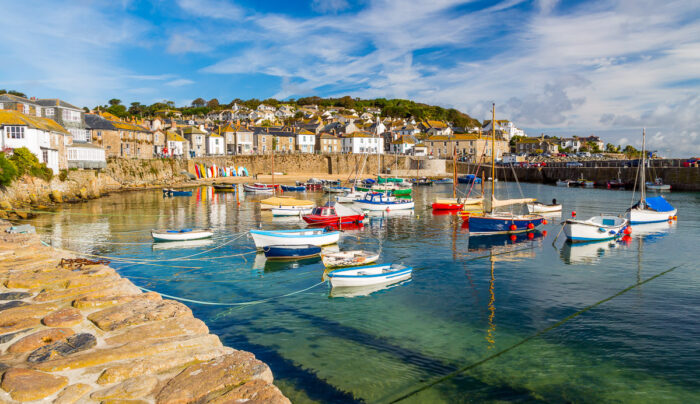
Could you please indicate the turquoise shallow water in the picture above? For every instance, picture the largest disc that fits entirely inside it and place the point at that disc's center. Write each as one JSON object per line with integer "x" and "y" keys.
{"x": 469, "y": 299}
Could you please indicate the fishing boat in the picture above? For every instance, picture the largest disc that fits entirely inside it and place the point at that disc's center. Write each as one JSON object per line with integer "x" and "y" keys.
{"x": 285, "y": 202}
{"x": 336, "y": 189}
{"x": 658, "y": 185}
{"x": 293, "y": 188}
{"x": 318, "y": 237}
{"x": 492, "y": 222}
{"x": 369, "y": 275}
{"x": 348, "y": 258}
{"x": 423, "y": 181}
{"x": 259, "y": 188}
{"x": 224, "y": 187}
{"x": 181, "y": 235}
{"x": 173, "y": 192}
{"x": 649, "y": 210}
{"x": 350, "y": 197}
{"x": 313, "y": 183}
{"x": 538, "y": 207}
{"x": 468, "y": 179}
{"x": 333, "y": 213}
{"x": 597, "y": 228}
{"x": 563, "y": 183}
{"x": 291, "y": 211}
{"x": 616, "y": 183}
{"x": 291, "y": 252}
{"x": 379, "y": 201}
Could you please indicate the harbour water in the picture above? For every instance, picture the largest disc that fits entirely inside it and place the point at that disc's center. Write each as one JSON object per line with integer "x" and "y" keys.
{"x": 500, "y": 318}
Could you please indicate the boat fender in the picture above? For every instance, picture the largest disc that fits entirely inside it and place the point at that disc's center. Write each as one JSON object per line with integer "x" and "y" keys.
{"x": 544, "y": 221}
{"x": 513, "y": 237}
{"x": 513, "y": 227}
{"x": 600, "y": 229}
{"x": 627, "y": 230}
{"x": 530, "y": 226}
{"x": 612, "y": 232}
{"x": 573, "y": 213}
{"x": 530, "y": 235}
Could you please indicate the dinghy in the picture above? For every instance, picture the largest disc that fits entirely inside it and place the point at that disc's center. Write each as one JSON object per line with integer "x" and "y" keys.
{"x": 348, "y": 258}
{"x": 563, "y": 183}
{"x": 334, "y": 214}
{"x": 369, "y": 275}
{"x": 538, "y": 207}
{"x": 181, "y": 235}
{"x": 259, "y": 188}
{"x": 597, "y": 228}
{"x": 291, "y": 252}
{"x": 350, "y": 197}
{"x": 318, "y": 237}
{"x": 293, "y": 188}
{"x": 285, "y": 202}
{"x": 172, "y": 192}
{"x": 224, "y": 187}
{"x": 291, "y": 211}
{"x": 377, "y": 201}
{"x": 336, "y": 189}
{"x": 658, "y": 185}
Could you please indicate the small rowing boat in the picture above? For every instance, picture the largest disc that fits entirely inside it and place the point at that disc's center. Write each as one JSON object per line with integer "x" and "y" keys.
{"x": 378, "y": 201}
{"x": 259, "y": 188}
{"x": 291, "y": 252}
{"x": 333, "y": 213}
{"x": 336, "y": 189}
{"x": 291, "y": 211}
{"x": 285, "y": 202}
{"x": 224, "y": 187}
{"x": 172, "y": 192}
{"x": 348, "y": 258}
{"x": 563, "y": 183}
{"x": 369, "y": 275}
{"x": 318, "y": 237}
{"x": 293, "y": 188}
{"x": 658, "y": 185}
{"x": 181, "y": 235}
{"x": 538, "y": 207}
{"x": 597, "y": 228}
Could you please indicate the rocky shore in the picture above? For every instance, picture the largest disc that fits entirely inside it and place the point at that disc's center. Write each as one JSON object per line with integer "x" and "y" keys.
{"x": 73, "y": 331}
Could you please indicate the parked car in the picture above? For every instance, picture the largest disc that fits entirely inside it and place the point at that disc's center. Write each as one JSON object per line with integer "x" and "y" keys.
{"x": 692, "y": 162}
{"x": 574, "y": 164}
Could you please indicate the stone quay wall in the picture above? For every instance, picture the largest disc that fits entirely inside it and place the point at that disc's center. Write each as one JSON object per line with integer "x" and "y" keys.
{"x": 680, "y": 178}
{"x": 72, "y": 333}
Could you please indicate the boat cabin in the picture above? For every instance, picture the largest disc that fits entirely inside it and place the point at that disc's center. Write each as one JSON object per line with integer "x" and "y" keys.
{"x": 324, "y": 211}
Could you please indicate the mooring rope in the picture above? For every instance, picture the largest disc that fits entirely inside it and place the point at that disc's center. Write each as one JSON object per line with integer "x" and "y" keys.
{"x": 527, "y": 339}
{"x": 252, "y": 302}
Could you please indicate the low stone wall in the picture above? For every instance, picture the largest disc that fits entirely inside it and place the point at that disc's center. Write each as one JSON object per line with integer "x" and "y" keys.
{"x": 680, "y": 178}
{"x": 72, "y": 333}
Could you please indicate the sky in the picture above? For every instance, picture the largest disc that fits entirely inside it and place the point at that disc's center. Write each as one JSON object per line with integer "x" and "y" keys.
{"x": 564, "y": 68}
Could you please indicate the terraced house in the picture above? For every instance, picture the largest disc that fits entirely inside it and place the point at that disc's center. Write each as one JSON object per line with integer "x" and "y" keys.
{"x": 197, "y": 139}
{"x": 120, "y": 139}
{"x": 473, "y": 147}
{"x": 42, "y": 136}
{"x": 327, "y": 143}
{"x": 67, "y": 115}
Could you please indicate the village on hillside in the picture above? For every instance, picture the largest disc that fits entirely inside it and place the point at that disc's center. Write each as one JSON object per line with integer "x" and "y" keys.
{"x": 64, "y": 136}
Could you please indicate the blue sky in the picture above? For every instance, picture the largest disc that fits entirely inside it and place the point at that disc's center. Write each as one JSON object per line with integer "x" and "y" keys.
{"x": 554, "y": 67}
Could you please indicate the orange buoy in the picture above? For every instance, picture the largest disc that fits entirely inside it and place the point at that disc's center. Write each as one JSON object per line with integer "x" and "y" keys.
{"x": 530, "y": 226}
{"x": 513, "y": 227}
{"x": 675, "y": 217}
{"x": 627, "y": 230}
{"x": 544, "y": 221}
{"x": 513, "y": 237}
{"x": 544, "y": 233}
{"x": 530, "y": 235}
{"x": 573, "y": 213}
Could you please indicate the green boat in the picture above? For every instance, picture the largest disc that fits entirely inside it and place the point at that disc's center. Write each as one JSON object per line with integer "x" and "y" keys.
{"x": 382, "y": 180}
{"x": 394, "y": 192}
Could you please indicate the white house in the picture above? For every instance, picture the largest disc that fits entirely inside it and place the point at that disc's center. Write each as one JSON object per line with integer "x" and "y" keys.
{"x": 175, "y": 144}
{"x": 572, "y": 143}
{"x": 43, "y": 137}
{"x": 266, "y": 108}
{"x": 402, "y": 145}
{"x": 215, "y": 145}
{"x": 306, "y": 141}
{"x": 362, "y": 142}
{"x": 285, "y": 111}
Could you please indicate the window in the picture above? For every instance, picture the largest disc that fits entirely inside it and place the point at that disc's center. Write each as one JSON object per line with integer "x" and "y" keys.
{"x": 48, "y": 111}
{"x": 25, "y": 109}
{"x": 79, "y": 135}
{"x": 70, "y": 115}
{"x": 155, "y": 137}
{"x": 45, "y": 156}
{"x": 2, "y": 106}
{"x": 15, "y": 132}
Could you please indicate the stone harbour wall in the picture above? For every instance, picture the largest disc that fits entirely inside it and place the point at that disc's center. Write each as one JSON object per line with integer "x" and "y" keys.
{"x": 72, "y": 333}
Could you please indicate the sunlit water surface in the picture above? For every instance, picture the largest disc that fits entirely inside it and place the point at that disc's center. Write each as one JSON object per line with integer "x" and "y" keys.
{"x": 469, "y": 299}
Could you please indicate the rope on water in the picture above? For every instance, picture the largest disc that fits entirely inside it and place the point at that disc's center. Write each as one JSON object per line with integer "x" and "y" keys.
{"x": 529, "y": 338}
{"x": 250, "y": 303}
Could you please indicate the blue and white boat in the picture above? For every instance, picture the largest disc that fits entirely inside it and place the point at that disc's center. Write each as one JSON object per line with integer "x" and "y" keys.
{"x": 172, "y": 192}
{"x": 369, "y": 275}
{"x": 443, "y": 181}
{"x": 336, "y": 189}
{"x": 317, "y": 237}
{"x": 293, "y": 188}
{"x": 379, "y": 201}
{"x": 291, "y": 252}
{"x": 181, "y": 235}
{"x": 597, "y": 228}
{"x": 468, "y": 179}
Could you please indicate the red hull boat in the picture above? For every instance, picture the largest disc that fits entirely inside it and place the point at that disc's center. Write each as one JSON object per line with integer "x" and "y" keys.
{"x": 333, "y": 214}
{"x": 447, "y": 206}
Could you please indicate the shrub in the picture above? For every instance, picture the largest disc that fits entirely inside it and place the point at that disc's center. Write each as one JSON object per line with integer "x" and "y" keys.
{"x": 63, "y": 175}
{"x": 27, "y": 163}
{"x": 8, "y": 171}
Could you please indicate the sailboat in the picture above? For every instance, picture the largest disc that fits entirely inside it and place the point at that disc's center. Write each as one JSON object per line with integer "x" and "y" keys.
{"x": 492, "y": 222}
{"x": 649, "y": 210}
{"x": 454, "y": 203}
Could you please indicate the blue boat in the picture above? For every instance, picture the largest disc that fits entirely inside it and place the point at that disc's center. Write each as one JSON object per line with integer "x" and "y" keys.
{"x": 172, "y": 192}
{"x": 443, "y": 181}
{"x": 369, "y": 275}
{"x": 468, "y": 179}
{"x": 503, "y": 223}
{"x": 293, "y": 188}
{"x": 291, "y": 252}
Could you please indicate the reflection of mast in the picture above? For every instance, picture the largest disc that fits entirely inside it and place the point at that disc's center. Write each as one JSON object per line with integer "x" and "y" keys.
{"x": 490, "y": 333}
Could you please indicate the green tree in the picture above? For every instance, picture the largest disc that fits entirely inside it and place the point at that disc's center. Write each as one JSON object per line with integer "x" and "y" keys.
{"x": 631, "y": 151}
{"x": 13, "y": 92}
{"x": 199, "y": 102}
{"x": 114, "y": 102}
{"x": 137, "y": 109}
{"x": 610, "y": 148}
{"x": 118, "y": 110}
{"x": 27, "y": 163}
{"x": 213, "y": 103}
{"x": 8, "y": 170}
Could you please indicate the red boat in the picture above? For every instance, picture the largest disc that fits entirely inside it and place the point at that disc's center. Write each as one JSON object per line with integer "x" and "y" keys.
{"x": 333, "y": 214}
{"x": 446, "y": 204}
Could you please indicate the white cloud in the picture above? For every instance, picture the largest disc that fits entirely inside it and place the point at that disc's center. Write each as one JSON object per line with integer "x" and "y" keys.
{"x": 220, "y": 9}
{"x": 179, "y": 82}
{"x": 329, "y": 6}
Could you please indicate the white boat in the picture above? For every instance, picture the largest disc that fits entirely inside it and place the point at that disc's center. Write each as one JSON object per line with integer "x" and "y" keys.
{"x": 377, "y": 201}
{"x": 658, "y": 185}
{"x": 369, "y": 275}
{"x": 539, "y": 207}
{"x": 291, "y": 211}
{"x": 649, "y": 210}
{"x": 258, "y": 188}
{"x": 336, "y": 189}
{"x": 319, "y": 237}
{"x": 178, "y": 245}
{"x": 285, "y": 202}
{"x": 597, "y": 228}
{"x": 350, "y": 197}
{"x": 181, "y": 235}
{"x": 562, "y": 183}
{"x": 348, "y": 258}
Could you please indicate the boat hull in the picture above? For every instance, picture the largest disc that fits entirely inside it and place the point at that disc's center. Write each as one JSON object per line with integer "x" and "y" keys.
{"x": 260, "y": 190}
{"x": 290, "y": 211}
{"x": 263, "y": 238}
{"x": 335, "y": 220}
{"x": 354, "y": 278}
{"x": 347, "y": 259}
{"x": 181, "y": 236}
{"x": 640, "y": 216}
{"x": 286, "y": 252}
{"x": 502, "y": 225}
{"x": 384, "y": 206}
{"x": 447, "y": 206}
{"x": 293, "y": 188}
{"x": 542, "y": 208}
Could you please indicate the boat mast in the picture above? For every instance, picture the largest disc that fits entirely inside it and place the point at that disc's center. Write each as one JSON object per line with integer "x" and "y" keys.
{"x": 643, "y": 168}
{"x": 454, "y": 173}
{"x": 493, "y": 152}
{"x": 273, "y": 172}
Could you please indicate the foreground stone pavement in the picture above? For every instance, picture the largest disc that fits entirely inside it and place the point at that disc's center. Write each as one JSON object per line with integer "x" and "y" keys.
{"x": 82, "y": 334}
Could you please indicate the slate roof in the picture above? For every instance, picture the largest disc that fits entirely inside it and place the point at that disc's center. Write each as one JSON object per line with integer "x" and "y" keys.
{"x": 55, "y": 102}
{"x": 93, "y": 121}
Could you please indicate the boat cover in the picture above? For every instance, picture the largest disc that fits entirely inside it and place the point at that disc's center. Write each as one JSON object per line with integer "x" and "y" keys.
{"x": 286, "y": 201}
{"x": 659, "y": 204}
